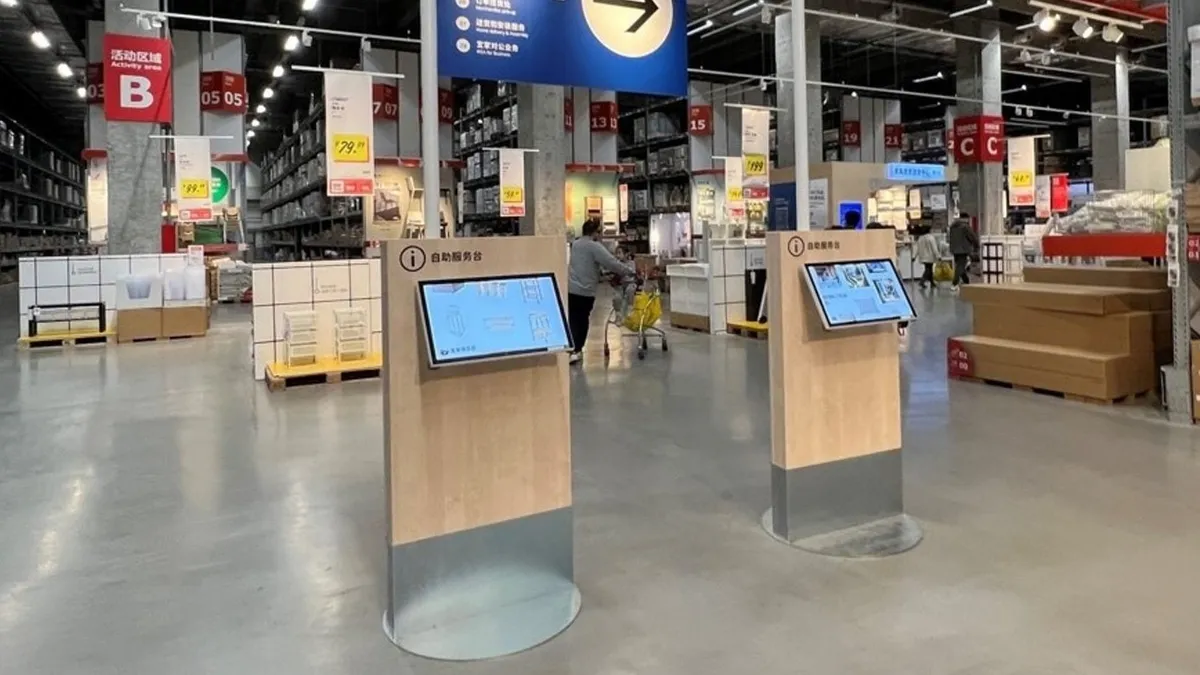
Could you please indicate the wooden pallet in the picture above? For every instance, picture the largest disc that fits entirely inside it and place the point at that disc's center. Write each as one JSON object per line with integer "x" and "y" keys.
{"x": 749, "y": 329}
{"x": 53, "y": 341}
{"x": 691, "y": 328}
{"x": 164, "y": 338}
{"x": 1128, "y": 398}
{"x": 324, "y": 371}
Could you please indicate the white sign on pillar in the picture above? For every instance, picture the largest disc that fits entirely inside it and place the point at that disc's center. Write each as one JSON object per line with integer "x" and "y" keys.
{"x": 349, "y": 135}
{"x": 1042, "y": 196}
{"x": 193, "y": 179}
{"x": 735, "y": 205}
{"x": 512, "y": 183}
{"x": 1022, "y": 167}
{"x": 97, "y": 200}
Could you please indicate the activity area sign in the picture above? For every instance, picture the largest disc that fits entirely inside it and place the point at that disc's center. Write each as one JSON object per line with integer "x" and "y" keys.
{"x": 623, "y": 45}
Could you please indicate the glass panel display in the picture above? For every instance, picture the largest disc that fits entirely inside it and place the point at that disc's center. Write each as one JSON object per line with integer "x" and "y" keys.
{"x": 858, "y": 293}
{"x": 468, "y": 320}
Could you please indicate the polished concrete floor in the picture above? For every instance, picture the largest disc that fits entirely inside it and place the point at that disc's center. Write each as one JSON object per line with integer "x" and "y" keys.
{"x": 162, "y": 513}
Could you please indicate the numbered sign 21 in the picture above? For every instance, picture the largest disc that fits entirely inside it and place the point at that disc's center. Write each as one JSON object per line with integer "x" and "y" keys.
{"x": 603, "y": 116}
{"x": 893, "y": 136}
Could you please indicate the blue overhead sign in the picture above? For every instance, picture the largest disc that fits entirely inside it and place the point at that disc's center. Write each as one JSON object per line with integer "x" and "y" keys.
{"x": 918, "y": 173}
{"x": 624, "y": 45}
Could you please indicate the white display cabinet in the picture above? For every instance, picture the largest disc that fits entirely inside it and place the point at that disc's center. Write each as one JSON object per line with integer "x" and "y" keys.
{"x": 319, "y": 286}
{"x": 717, "y": 289}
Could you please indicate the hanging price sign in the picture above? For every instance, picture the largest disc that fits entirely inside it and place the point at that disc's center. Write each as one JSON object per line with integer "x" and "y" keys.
{"x": 754, "y": 165}
{"x": 1022, "y": 178}
{"x": 512, "y": 183}
{"x": 734, "y": 194}
{"x": 351, "y": 148}
{"x": 194, "y": 188}
{"x": 513, "y": 194}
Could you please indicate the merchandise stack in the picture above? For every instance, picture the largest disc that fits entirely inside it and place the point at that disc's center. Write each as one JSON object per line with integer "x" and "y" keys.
{"x": 1095, "y": 333}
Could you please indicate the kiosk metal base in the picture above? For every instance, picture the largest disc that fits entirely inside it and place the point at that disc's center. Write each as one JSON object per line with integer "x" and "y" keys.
{"x": 876, "y": 539}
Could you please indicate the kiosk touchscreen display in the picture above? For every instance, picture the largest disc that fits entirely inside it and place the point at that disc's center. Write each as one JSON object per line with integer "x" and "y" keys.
{"x": 857, "y": 293}
{"x": 469, "y": 320}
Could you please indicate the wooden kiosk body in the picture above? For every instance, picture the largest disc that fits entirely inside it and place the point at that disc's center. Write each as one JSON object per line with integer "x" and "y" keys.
{"x": 478, "y": 464}
{"x": 835, "y": 407}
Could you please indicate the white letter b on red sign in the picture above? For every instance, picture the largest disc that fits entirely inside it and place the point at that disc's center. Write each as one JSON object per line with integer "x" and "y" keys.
{"x": 135, "y": 92}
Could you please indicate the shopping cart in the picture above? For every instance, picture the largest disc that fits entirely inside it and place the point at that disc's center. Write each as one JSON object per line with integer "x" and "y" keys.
{"x": 636, "y": 307}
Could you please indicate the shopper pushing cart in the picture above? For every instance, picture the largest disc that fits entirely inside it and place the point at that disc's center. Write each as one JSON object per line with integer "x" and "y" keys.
{"x": 589, "y": 260}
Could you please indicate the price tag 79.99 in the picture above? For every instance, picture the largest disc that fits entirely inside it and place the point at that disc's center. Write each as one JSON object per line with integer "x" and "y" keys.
{"x": 350, "y": 148}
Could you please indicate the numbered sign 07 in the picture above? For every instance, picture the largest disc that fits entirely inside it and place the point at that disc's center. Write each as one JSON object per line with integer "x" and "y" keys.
{"x": 385, "y": 102}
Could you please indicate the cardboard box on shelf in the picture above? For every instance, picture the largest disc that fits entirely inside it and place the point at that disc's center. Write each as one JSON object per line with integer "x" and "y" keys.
{"x": 1103, "y": 377}
{"x": 1125, "y": 333}
{"x": 1191, "y": 206}
{"x": 1150, "y": 278}
{"x": 184, "y": 321}
{"x": 139, "y": 324}
{"x": 1098, "y": 300}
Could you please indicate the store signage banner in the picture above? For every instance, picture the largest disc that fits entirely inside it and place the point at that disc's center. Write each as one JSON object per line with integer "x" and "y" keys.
{"x": 390, "y": 205}
{"x": 893, "y": 136}
{"x": 223, "y": 91}
{"x": 97, "y": 201}
{"x": 918, "y": 173}
{"x": 1060, "y": 193}
{"x": 193, "y": 179}
{"x": 756, "y": 129}
{"x": 700, "y": 120}
{"x": 512, "y": 183}
{"x": 735, "y": 203}
{"x": 1022, "y": 167}
{"x": 603, "y": 117}
{"x": 636, "y": 46}
{"x": 95, "y": 84}
{"x": 979, "y": 139}
{"x": 818, "y": 203}
{"x": 1041, "y": 200}
{"x": 385, "y": 102}
{"x": 568, "y": 114}
{"x": 349, "y": 135}
{"x": 137, "y": 78}
{"x": 851, "y": 134}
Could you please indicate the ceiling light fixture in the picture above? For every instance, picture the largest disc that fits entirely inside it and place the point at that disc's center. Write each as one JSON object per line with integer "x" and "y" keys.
{"x": 290, "y": 44}
{"x": 748, "y": 8}
{"x": 1074, "y": 11}
{"x": 254, "y": 123}
{"x": 64, "y": 70}
{"x": 268, "y": 92}
{"x": 250, "y": 134}
{"x": 1046, "y": 20}
{"x": 854, "y": 94}
{"x": 969, "y": 10}
{"x": 930, "y": 78}
{"x": 39, "y": 39}
{"x": 702, "y": 27}
{"x": 306, "y": 38}
{"x": 365, "y": 46}
{"x": 1041, "y": 76}
{"x": 1083, "y": 28}
{"x": 8, "y": 3}
{"x": 308, "y": 5}
{"x": 81, "y": 92}
{"x": 1112, "y": 33}
{"x": 277, "y": 71}
{"x": 260, "y": 109}
{"x": 1015, "y": 89}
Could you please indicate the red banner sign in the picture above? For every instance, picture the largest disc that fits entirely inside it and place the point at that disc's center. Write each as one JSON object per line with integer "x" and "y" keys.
{"x": 569, "y": 114}
{"x": 139, "y": 71}
{"x": 603, "y": 116}
{"x": 893, "y": 136}
{"x": 223, "y": 91}
{"x": 95, "y": 83}
{"x": 700, "y": 121}
{"x": 979, "y": 139}
{"x": 958, "y": 360}
{"x": 385, "y": 102}
{"x": 852, "y": 134}
{"x": 1060, "y": 194}
{"x": 445, "y": 106}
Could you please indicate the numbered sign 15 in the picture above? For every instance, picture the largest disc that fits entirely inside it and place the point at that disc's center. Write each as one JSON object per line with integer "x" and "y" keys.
{"x": 603, "y": 116}
{"x": 385, "y": 102}
{"x": 351, "y": 148}
{"x": 700, "y": 120}
{"x": 851, "y": 134}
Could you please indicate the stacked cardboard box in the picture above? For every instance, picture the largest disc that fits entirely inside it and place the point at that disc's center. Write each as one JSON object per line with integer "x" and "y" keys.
{"x": 1091, "y": 332}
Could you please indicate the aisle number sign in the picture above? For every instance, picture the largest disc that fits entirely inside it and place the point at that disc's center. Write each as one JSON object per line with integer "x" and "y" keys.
{"x": 349, "y": 134}
{"x": 512, "y": 182}
{"x": 193, "y": 178}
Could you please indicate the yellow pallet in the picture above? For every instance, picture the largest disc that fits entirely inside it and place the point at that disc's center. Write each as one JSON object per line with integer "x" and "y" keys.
{"x": 324, "y": 370}
{"x": 66, "y": 339}
{"x": 750, "y": 329}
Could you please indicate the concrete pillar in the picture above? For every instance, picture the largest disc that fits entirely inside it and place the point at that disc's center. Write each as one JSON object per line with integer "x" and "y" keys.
{"x": 1110, "y": 137}
{"x": 387, "y": 131}
{"x": 540, "y": 113}
{"x": 785, "y": 68}
{"x": 980, "y": 186}
{"x": 408, "y": 143}
{"x": 135, "y": 161}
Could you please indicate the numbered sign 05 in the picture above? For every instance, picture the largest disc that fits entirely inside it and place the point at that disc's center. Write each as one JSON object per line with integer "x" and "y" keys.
{"x": 700, "y": 122}
{"x": 603, "y": 116}
{"x": 350, "y": 148}
{"x": 223, "y": 91}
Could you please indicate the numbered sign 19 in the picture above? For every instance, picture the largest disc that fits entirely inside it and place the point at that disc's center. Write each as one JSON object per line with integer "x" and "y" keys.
{"x": 223, "y": 91}
{"x": 700, "y": 120}
{"x": 851, "y": 134}
{"x": 385, "y": 102}
{"x": 603, "y": 116}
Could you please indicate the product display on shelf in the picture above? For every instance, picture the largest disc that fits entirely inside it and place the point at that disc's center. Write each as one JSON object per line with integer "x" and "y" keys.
{"x": 489, "y": 120}
{"x": 299, "y": 337}
{"x": 654, "y": 141}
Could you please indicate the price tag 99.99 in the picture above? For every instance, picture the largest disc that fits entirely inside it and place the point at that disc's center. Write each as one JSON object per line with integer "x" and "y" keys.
{"x": 351, "y": 148}
{"x": 512, "y": 194}
{"x": 194, "y": 188}
{"x": 754, "y": 165}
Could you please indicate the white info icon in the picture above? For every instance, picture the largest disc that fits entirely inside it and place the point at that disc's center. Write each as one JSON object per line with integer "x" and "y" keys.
{"x": 135, "y": 92}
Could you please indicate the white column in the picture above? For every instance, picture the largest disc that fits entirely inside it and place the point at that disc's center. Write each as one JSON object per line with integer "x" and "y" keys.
{"x": 430, "y": 174}
{"x": 800, "y": 109}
